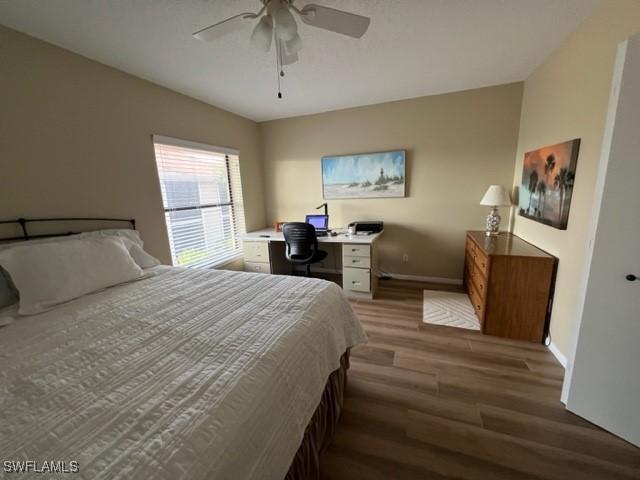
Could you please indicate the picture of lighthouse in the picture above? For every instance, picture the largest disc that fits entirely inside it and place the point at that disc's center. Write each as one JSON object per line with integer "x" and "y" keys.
{"x": 366, "y": 175}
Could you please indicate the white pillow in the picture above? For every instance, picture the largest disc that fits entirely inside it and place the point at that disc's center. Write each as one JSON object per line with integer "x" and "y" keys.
{"x": 48, "y": 274}
{"x": 132, "y": 241}
{"x": 142, "y": 258}
{"x": 127, "y": 233}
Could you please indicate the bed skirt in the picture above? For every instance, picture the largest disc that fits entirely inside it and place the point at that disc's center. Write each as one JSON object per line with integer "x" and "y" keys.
{"x": 319, "y": 432}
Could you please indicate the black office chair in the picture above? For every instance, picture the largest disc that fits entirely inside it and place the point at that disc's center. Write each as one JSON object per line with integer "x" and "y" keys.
{"x": 302, "y": 244}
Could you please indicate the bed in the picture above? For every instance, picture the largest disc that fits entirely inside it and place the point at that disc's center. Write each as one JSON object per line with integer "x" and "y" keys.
{"x": 186, "y": 373}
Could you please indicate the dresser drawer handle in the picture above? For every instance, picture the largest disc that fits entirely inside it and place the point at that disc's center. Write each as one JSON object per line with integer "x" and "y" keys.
{"x": 355, "y": 261}
{"x": 353, "y": 282}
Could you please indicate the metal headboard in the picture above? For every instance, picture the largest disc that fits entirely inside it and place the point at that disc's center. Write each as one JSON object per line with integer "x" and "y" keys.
{"x": 23, "y": 222}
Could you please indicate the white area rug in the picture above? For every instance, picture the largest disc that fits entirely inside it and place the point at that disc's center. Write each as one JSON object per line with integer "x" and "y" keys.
{"x": 449, "y": 309}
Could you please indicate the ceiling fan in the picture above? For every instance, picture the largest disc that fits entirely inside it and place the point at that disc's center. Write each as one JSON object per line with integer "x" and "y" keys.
{"x": 277, "y": 24}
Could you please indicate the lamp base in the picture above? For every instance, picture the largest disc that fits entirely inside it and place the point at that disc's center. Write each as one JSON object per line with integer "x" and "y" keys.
{"x": 493, "y": 222}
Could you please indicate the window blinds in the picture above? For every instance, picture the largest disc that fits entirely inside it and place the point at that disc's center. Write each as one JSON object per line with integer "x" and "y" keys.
{"x": 202, "y": 198}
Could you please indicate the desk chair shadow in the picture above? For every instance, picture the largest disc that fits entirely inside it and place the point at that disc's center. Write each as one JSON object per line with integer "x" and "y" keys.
{"x": 302, "y": 245}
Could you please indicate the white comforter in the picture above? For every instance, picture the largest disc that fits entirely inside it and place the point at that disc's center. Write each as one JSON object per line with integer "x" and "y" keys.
{"x": 190, "y": 374}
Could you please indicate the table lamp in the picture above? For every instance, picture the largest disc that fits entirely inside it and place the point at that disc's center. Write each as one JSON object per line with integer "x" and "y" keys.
{"x": 496, "y": 196}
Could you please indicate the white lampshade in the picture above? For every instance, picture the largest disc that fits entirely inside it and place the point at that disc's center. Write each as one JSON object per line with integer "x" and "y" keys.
{"x": 286, "y": 26}
{"x": 496, "y": 196}
{"x": 294, "y": 45}
{"x": 263, "y": 33}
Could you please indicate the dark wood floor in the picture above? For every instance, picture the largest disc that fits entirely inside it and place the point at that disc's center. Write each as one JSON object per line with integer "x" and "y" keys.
{"x": 427, "y": 402}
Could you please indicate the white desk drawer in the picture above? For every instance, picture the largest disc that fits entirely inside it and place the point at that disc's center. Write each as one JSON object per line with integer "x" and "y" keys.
{"x": 257, "y": 267}
{"x": 359, "y": 262}
{"x": 355, "y": 250}
{"x": 356, "y": 279}
{"x": 256, "y": 251}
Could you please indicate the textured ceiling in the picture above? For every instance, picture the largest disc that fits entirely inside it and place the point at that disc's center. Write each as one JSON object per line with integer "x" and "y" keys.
{"x": 413, "y": 48}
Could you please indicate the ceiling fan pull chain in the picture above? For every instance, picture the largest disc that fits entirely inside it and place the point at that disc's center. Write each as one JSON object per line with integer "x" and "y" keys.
{"x": 279, "y": 71}
{"x": 279, "y": 67}
{"x": 280, "y": 57}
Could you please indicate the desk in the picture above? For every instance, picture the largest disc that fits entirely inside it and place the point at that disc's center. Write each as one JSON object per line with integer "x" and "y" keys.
{"x": 353, "y": 256}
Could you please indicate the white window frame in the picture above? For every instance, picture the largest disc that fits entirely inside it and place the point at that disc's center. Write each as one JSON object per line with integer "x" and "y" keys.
{"x": 176, "y": 142}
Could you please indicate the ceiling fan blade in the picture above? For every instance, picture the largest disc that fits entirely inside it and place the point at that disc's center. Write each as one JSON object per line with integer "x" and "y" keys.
{"x": 334, "y": 20}
{"x": 213, "y": 32}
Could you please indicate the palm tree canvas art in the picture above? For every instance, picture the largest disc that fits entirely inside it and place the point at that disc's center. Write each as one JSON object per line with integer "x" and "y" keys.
{"x": 548, "y": 175}
{"x": 366, "y": 175}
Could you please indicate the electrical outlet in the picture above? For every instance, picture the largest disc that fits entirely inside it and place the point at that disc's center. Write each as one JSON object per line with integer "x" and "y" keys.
{"x": 405, "y": 257}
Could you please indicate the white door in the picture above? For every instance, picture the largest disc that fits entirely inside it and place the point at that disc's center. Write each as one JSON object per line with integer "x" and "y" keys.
{"x": 604, "y": 384}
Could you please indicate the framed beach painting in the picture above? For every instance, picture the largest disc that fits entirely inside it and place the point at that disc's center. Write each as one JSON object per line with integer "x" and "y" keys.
{"x": 364, "y": 175}
{"x": 548, "y": 175}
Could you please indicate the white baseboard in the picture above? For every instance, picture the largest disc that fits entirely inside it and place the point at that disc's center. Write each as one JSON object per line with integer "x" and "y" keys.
{"x": 558, "y": 354}
{"x": 420, "y": 278}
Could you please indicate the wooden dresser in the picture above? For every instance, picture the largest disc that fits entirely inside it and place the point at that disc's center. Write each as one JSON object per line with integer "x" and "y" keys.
{"x": 509, "y": 282}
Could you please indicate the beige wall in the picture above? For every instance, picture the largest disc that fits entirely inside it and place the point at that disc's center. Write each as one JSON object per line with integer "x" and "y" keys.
{"x": 457, "y": 144}
{"x": 565, "y": 98}
{"x": 75, "y": 139}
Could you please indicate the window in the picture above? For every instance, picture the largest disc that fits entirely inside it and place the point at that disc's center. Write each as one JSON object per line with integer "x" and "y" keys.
{"x": 202, "y": 198}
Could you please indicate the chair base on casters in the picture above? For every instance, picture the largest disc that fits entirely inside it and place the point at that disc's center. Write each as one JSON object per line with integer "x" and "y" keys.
{"x": 304, "y": 273}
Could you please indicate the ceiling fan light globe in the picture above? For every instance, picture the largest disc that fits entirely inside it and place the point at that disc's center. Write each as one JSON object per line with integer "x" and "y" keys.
{"x": 294, "y": 45}
{"x": 262, "y": 34}
{"x": 286, "y": 26}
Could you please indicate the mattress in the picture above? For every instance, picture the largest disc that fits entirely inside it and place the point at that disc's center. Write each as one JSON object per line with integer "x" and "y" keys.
{"x": 188, "y": 374}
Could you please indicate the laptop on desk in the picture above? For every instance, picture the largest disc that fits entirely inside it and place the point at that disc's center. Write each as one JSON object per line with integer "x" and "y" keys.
{"x": 320, "y": 222}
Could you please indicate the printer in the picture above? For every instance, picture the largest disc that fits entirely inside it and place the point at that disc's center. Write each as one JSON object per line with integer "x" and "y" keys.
{"x": 366, "y": 227}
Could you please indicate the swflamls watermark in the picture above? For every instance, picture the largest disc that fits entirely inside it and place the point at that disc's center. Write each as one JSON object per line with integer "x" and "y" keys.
{"x": 46, "y": 466}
